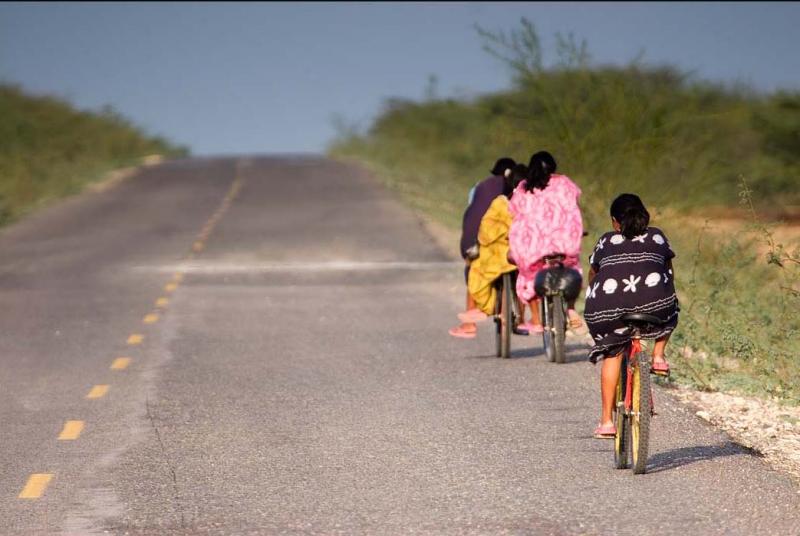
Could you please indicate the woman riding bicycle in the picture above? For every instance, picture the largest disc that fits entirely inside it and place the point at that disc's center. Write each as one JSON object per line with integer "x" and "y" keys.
{"x": 492, "y": 261}
{"x": 480, "y": 198}
{"x": 546, "y": 220}
{"x": 631, "y": 272}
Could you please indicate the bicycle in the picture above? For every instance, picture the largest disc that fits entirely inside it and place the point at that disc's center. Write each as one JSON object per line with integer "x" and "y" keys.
{"x": 634, "y": 392}
{"x": 505, "y": 314}
{"x": 556, "y": 285}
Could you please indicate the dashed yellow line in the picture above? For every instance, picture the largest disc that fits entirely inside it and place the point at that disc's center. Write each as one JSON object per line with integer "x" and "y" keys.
{"x": 135, "y": 338}
{"x": 36, "y": 485}
{"x": 98, "y": 391}
{"x": 72, "y": 430}
{"x": 120, "y": 363}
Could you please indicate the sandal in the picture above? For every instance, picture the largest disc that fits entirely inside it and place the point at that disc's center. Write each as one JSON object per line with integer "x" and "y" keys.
{"x": 575, "y": 320}
{"x": 660, "y": 368}
{"x": 531, "y": 328}
{"x": 519, "y": 330}
{"x": 462, "y": 333}
{"x": 608, "y": 431}
{"x": 472, "y": 316}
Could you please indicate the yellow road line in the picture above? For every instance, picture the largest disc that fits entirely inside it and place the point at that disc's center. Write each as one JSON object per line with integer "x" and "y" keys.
{"x": 36, "y": 485}
{"x": 151, "y": 318}
{"x": 135, "y": 338}
{"x": 162, "y": 302}
{"x": 72, "y": 429}
{"x": 169, "y": 287}
{"x": 199, "y": 244}
{"x": 98, "y": 391}
{"x": 120, "y": 363}
{"x": 178, "y": 277}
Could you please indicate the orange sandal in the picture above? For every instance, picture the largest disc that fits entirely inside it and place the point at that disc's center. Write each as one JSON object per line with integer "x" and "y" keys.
{"x": 575, "y": 320}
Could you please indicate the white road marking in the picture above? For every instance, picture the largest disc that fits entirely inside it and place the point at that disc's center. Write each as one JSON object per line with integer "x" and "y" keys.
{"x": 293, "y": 267}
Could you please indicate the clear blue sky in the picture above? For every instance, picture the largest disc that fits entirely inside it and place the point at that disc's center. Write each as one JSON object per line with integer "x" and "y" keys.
{"x": 268, "y": 77}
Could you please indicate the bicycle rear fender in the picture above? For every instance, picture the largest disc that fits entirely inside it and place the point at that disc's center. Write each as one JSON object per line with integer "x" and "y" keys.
{"x": 568, "y": 281}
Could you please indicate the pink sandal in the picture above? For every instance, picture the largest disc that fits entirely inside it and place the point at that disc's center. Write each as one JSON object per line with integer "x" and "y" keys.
{"x": 605, "y": 432}
{"x": 532, "y": 328}
{"x": 462, "y": 333}
{"x": 660, "y": 368}
{"x": 472, "y": 316}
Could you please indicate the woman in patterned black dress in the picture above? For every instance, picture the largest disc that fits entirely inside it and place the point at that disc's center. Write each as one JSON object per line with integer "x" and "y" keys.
{"x": 631, "y": 272}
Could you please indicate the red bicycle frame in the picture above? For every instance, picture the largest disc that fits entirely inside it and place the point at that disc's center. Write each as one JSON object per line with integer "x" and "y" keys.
{"x": 635, "y": 349}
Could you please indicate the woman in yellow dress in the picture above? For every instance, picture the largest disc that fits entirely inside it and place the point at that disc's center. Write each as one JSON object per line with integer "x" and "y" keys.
{"x": 492, "y": 261}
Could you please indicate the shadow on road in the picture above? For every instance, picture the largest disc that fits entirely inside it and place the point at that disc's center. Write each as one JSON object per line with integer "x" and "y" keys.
{"x": 672, "y": 459}
{"x": 575, "y": 353}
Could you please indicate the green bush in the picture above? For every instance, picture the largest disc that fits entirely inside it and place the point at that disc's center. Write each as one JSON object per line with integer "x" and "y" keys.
{"x": 48, "y": 149}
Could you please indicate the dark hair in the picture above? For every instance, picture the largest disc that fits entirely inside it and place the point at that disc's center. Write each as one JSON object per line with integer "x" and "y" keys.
{"x": 631, "y": 214}
{"x": 518, "y": 174}
{"x": 502, "y": 165}
{"x": 541, "y": 166}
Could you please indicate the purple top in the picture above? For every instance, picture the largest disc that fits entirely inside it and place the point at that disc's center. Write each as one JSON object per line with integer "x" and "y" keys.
{"x": 485, "y": 192}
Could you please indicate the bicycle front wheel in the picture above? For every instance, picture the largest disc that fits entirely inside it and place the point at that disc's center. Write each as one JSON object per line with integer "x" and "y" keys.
{"x": 640, "y": 412}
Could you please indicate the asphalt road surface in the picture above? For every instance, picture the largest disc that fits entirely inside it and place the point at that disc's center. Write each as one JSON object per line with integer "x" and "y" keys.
{"x": 259, "y": 346}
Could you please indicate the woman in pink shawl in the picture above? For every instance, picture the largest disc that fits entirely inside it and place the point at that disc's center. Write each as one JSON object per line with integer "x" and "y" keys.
{"x": 546, "y": 220}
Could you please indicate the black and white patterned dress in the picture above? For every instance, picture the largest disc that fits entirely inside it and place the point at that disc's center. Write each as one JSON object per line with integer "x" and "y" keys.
{"x": 632, "y": 275}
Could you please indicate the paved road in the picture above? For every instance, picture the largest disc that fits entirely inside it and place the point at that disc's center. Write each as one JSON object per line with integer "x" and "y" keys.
{"x": 293, "y": 374}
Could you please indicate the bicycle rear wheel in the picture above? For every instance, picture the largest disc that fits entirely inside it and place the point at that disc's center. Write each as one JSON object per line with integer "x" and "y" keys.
{"x": 546, "y": 309}
{"x": 640, "y": 413}
{"x": 622, "y": 439}
{"x": 498, "y": 324}
{"x": 559, "y": 329}
{"x": 507, "y": 317}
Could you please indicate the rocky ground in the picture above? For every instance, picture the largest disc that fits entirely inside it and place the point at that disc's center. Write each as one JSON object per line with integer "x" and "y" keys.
{"x": 767, "y": 427}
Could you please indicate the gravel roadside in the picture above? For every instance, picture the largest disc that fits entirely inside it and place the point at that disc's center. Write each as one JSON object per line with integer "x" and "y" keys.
{"x": 767, "y": 427}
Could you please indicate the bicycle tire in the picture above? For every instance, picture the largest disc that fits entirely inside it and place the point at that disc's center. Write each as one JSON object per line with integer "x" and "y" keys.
{"x": 498, "y": 343}
{"x": 507, "y": 320}
{"x": 559, "y": 329}
{"x": 622, "y": 438}
{"x": 546, "y": 309}
{"x": 640, "y": 414}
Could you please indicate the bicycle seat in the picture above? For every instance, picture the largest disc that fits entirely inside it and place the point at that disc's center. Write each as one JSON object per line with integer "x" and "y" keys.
{"x": 641, "y": 319}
